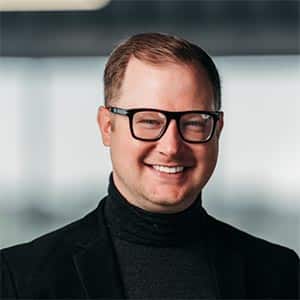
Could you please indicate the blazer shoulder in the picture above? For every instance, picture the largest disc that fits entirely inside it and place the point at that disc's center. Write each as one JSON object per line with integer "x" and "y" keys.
{"x": 52, "y": 246}
{"x": 271, "y": 270}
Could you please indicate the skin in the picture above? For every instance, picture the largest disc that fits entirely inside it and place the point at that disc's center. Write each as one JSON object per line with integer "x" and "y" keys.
{"x": 173, "y": 87}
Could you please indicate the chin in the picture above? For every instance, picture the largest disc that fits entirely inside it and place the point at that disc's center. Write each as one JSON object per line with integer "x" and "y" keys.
{"x": 171, "y": 206}
{"x": 172, "y": 201}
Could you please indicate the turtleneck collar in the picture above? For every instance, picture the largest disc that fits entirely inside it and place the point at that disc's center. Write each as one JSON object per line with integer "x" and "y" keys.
{"x": 133, "y": 224}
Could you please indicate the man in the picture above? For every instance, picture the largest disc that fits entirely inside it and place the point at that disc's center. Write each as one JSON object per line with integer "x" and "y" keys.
{"x": 151, "y": 237}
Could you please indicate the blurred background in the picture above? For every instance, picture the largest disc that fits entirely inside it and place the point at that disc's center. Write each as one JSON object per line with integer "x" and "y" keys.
{"x": 53, "y": 166}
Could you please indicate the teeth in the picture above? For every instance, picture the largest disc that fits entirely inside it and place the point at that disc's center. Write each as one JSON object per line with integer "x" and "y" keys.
{"x": 168, "y": 169}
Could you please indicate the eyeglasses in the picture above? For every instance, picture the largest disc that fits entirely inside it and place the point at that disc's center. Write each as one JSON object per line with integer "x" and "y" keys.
{"x": 151, "y": 124}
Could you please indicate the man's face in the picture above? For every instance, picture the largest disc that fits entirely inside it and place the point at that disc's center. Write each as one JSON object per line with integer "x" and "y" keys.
{"x": 171, "y": 87}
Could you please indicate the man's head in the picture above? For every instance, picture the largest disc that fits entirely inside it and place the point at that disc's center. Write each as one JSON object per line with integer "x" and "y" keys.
{"x": 155, "y": 71}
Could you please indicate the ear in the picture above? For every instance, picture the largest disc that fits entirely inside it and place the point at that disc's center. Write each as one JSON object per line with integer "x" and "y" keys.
{"x": 104, "y": 123}
{"x": 220, "y": 125}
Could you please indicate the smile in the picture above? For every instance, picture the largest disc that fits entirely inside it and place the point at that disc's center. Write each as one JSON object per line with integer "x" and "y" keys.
{"x": 169, "y": 170}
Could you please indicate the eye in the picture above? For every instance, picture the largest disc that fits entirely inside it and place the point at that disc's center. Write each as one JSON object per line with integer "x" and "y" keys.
{"x": 149, "y": 120}
{"x": 195, "y": 123}
{"x": 194, "y": 126}
{"x": 149, "y": 123}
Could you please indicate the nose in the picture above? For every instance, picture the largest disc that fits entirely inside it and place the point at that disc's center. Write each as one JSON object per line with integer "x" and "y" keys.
{"x": 171, "y": 143}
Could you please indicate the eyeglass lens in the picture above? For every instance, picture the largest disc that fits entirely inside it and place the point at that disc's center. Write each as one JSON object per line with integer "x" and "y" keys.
{"x": 193, "y": 126}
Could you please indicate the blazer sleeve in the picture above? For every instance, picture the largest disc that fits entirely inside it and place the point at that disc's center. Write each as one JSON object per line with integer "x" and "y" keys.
{"x": 7, "y": 286}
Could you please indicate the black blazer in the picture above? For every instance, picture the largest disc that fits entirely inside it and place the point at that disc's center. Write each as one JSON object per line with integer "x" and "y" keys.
{"x": 78, "y": 261}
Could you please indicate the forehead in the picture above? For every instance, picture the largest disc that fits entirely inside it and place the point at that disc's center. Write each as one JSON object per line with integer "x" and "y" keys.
{"x": 168, "y": 86}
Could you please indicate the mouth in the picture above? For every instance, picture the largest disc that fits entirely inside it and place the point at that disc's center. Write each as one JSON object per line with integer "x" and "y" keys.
{"x": 168, "y": 174}
{"x": 168, "y": 169}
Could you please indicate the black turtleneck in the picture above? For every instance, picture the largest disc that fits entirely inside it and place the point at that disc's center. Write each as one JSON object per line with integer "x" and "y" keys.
{"x": 160, "y": 255}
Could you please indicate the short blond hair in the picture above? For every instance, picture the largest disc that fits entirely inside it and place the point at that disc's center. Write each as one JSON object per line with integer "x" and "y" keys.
{"x": 156, "y": 48}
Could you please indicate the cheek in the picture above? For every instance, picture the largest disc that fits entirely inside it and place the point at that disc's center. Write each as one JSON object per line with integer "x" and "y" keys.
{"x": 128, "y": 152}
{"x": 207, "y": 157}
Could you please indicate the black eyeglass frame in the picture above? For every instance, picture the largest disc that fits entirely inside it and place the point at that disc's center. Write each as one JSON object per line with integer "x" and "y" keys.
{"x": 170, "y": 115}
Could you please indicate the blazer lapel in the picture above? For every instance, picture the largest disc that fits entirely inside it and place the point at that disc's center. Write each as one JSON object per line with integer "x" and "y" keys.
{"x": 97, "y": 266}
{"x": 226, "y": 261}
